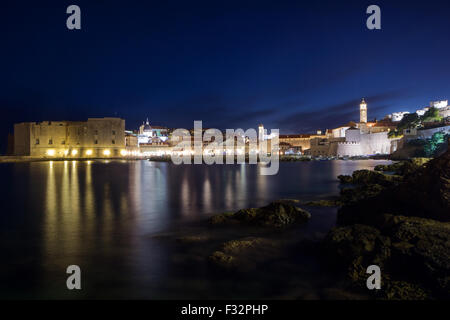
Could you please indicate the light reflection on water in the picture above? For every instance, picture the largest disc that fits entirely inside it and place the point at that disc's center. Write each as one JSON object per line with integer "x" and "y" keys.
{"x": 101, "y": 216}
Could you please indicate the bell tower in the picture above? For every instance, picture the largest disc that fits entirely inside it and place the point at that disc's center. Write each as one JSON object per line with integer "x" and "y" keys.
{"x": 261, "y": 133}
{"x": 363, "y": 111}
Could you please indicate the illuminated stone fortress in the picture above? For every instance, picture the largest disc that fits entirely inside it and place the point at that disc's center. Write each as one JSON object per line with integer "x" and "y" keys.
{"x": 96, "y": 138}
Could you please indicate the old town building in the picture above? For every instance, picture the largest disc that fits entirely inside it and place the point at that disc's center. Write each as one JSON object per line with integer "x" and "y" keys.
{"x": 96, "y": 137}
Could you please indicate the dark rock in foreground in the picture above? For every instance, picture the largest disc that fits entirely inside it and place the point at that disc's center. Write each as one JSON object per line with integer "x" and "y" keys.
{"x": 403, "y": 168}
{"x": 401, "y": 226}
{"x": 414, "y": 251}
{"x": 355, "y": 241}
{"x": 353, "y": 195}
{"x": 363, "y": 177}
{"x": 245, "y": 254}
{"x": 423, "y": 193}
{"x": 323, "y": 203}
{"x": 277, "y": 214}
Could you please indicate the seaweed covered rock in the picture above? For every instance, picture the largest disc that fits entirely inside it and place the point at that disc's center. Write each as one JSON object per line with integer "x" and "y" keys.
{"x": 221, "y": 218}
{"x": 345, "y": 179}
{"x": 222, "y": 259}
{"x": 362, "y": 177}
{"x": 347, "y": 245}
{"x": 413, "y": 253}
{"x": 394, "y": 167}
{"x": 402, "y": 290}
{"x": 245, "y": 254}
{"x": 277, "y": 214}
{"x": 425, "y": 193}
{"x": 324, "y": 203}
{"x": 237, "y": 246}
{"x": 403, "y": 168}
{"x": 365, "y": 177}
{"x": 352, "y": 249}
{"x": 424, "y": 246}
{"x": 403, "y": 227}
{"x": 352, "y": 195}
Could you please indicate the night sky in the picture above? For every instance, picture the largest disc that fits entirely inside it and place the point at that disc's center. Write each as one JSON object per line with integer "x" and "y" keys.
{"x": 293, "y": 65}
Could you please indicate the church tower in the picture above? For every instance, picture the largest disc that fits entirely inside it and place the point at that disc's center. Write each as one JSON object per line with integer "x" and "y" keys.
{"x": 363, "y": 111}
{"x": 261, "y": 133}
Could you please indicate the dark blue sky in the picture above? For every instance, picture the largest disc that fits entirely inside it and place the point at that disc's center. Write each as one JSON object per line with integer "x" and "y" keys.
{"x": 294, "y": 65}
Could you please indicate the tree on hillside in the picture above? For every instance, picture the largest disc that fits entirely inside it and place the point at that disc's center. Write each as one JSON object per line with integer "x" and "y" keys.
{"x": 410, "y": 120}
{"x": 434, "y": 142}
{"x": 432, "y": 115}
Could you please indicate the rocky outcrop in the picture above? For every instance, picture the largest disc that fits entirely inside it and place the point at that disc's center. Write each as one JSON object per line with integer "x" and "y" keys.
{"x": 222, "y": 259}
{"x": 353, "y": 195}
{"x": 424, "y": 246}
{"x": 364, "y": 177}
{"x": 394, "y": 167}
{"x": 277, "y": 214}
{"x": 323, "y": 203}
{"x": 237, "y": 246}
{"x": 402, "y": 290}
{"x": 403, "y": 168}
{"x": 244, "y": 254}
{"x": 422, "y": 193}
{"x": 355, "y": 247}
{"x": 413, "y": 253}
{"x": 402, "y": 226}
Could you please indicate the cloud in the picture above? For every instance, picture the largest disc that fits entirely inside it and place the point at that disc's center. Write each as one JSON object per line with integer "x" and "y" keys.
{"x": 335, "y": 115}
{"x": 216, "y": 112}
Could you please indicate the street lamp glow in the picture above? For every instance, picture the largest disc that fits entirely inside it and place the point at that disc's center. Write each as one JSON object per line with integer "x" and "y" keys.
{"x": 106, "y": 152}
{"x": 89, "y": 152}
{"x": 51, "y": 152}
{"x": 74, "y": 152}
{"x": 123, "y": 152}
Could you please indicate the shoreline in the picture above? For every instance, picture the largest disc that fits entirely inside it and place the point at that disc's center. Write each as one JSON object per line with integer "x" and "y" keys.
{"x": 377, "y": 224}
{"x": 22, "y": 159}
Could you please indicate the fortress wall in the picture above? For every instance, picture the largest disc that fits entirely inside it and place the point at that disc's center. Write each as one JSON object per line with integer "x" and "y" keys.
{"x": 348, "y": 149}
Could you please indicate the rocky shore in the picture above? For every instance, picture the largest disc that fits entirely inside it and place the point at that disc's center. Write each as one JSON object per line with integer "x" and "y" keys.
{"x": 399, "y": 222}
{"x": 396, "y": 217}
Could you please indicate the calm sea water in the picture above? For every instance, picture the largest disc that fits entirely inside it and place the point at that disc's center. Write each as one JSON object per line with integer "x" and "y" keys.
{"x": 104, "y": 216}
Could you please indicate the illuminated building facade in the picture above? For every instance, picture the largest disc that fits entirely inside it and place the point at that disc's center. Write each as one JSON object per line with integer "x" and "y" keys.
{"x": 356, "y": 139}
{"x": 96, "y": 138}
{"x": 297, "y": 142}
{"x": 152, "y": 134}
